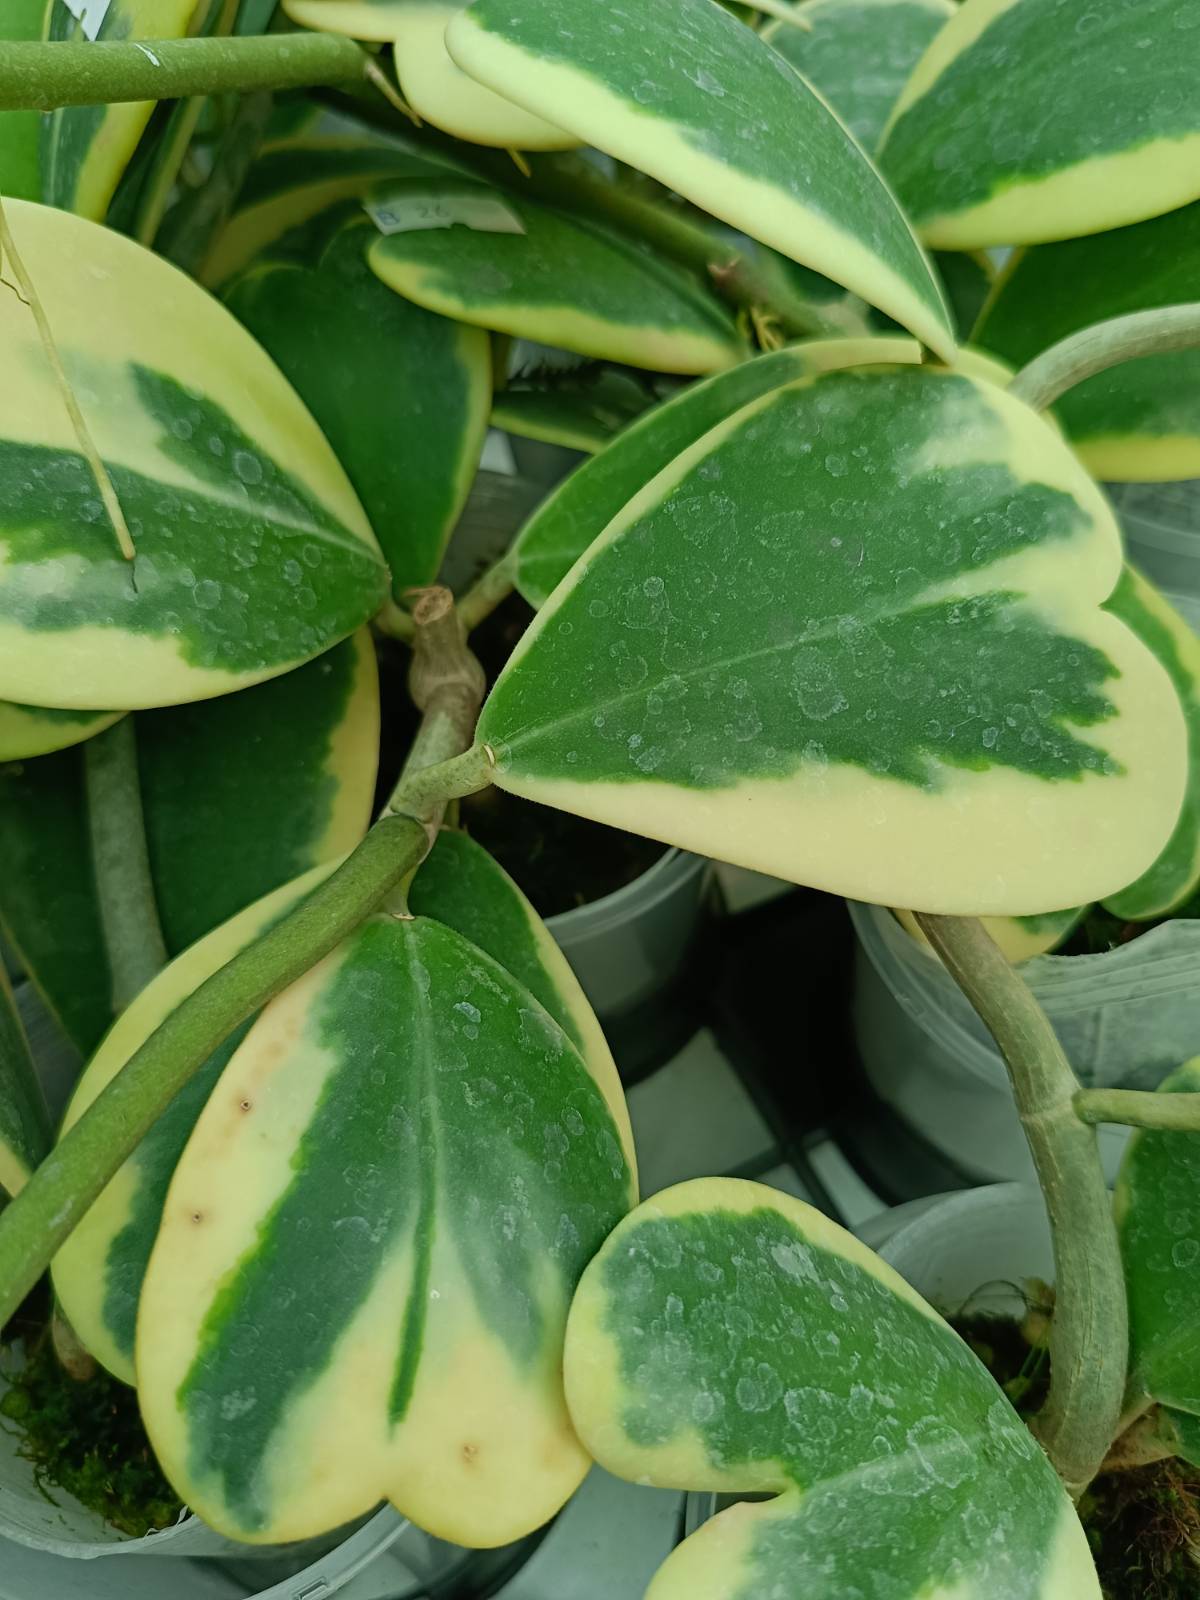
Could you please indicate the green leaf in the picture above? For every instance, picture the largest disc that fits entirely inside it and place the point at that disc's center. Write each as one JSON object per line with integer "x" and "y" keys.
{"x": 860, "y": 54}
{"x": 37, "y": 730}
{"x": 296, "y": 179}
{"x": 583, "y": 505}
{"x": 1158, "y": 1219}
{"x": 402, "y": 395}
{"x": 239, "y": 795}
{"x": 728, "y": 1337}
{"x": 98, "y": 1272}
{"x": 48, "y": 910}
{"x": 24, "y": 1120}
{"x": 20, "y": 131}
{"x": 1185, "y": 1434}
{"x": 977, "y": 160}
{"x": 854, "y": 637}
{"x": 561, "y": 281}
{"x": 253, "y": 554}
{"x": 581, "y": 411}
{"x": 1139, "y": 421}
{"x": 968, "y": 277}
{"x": 1175, "y": 875}
{"x": 390, "y": 1196}
{"x": 85, "y": 149}
{"x": 685, "y": 92}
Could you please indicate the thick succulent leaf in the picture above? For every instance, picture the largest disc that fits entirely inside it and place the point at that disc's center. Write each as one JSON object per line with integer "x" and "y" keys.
{"x": 977, "y": 161}
{"x": 98, "y": 1272}
{"x": 1020, "y": 938}
{"x": 1175, "y": 875}
{"x": 1185, "y": 1439}
{"x": 1139, "y": 421}
{"x": 245, "y": 793}
{"x": 37, "y": 730}
{"x": 581, "y": 413}
{"x": 860, "y": 54}
{"x": 583, "y": 505}
{"x": 24, "y": 1121}
{"x": 296, "y": 179}
{"x": 402, "y": 394}
{"x": 85, "y": 149}
{"x": 729, "y": 1337}
{"x": 560, "y": 281}
{"x": 48, "y": 910}
{"x": 21, "y": 131}
{"x": 253, "y": 554}
{"x": 1158, "y": 1219}
{"x": 967, "y": 276}
{"x": 854, "y": 637}
{"x": 368, "y": 1251}
{"x": 358, "y": 19}
{"x": 445, "y": 96}
{"x": 685, "y": 92}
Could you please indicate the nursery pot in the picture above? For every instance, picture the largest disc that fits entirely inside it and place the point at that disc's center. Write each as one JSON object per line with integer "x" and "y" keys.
{"x": 1126, "y": 1018}
{"x": 1161, "y": 522}
{"x": 638, "y": 954}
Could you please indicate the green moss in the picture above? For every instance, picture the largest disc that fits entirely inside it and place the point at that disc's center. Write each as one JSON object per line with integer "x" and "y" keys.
{"x": 85, "y": 1438}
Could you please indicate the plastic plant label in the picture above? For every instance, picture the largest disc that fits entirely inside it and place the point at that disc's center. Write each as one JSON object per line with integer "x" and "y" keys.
{"x": 415, "y": 210}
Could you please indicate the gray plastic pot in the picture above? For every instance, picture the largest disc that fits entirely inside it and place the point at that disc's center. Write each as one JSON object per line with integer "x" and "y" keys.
{"x": 1161, "y": 523}
{"x": 1126, "y": 1019}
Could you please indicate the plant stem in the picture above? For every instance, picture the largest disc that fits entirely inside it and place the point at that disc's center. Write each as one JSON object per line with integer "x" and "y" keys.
{"x": 490, "y": 589}
{"x": 1139, "y": 1108}
{"x": 121, "y": 862}
{"x": 1089, "y": 1336}
{"x": 1107, "y": 344}
{"x": 42, "y": 76}
{"x": 59, "y": 1193}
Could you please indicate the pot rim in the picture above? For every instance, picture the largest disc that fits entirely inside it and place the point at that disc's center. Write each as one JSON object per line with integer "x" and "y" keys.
{"x": 670, "y": 872}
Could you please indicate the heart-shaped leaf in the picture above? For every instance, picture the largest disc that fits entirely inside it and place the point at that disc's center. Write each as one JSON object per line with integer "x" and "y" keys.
{"x": 37, "y": 730}
{"x": 728, "y": 1337}
{"x": 1158, "y": 1219}
{"x": 296, "y": 179}
{"x": 860, "y": 54}
{"x": 560, "y": 281}
{"x": 239, "y": 795}
{"x": 24, "y": 1121}
{"x": 98, "y": 1272}
{"x": 252, "y": 553}
{"x": 977, "y": 161}
{"x": 402, "y": 395}
{"x": 85, "y": 149}
{"x": 685, "y": 92}
{"x": 1175, "y": 875}
{"x": 369, "y": 1248}
{"x": 21, "y": 131}
{"x": 583, "y": 505}
{"x": 1139, "y": 421}
{"x": 854, "y": 637}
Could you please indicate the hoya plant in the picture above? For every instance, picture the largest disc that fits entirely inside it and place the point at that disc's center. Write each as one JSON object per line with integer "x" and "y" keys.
{"x": 347, "y": 1187}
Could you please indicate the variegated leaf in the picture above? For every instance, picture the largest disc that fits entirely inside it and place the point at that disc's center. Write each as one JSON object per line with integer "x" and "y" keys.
{"x": 37, "y": 730}
{"x": 1020, "y": 938}
{"x": 252, "y": 553}
{"x": 1158, "y": 1219}
{"x": 98, "y": 1272}
{"x": 558, "y": 280}
{"x": 854, "y": 636}
{"x": 20, "y": 131}
{"x": 239, "y": 795}
{"x": 1175, "y": 875}
{"x": 369, "y": 1247}
{"x": 85, "y": 149}
{"x": 860, "y": 54}
{"x": 688, "y": 94}
{"x": 976, "y": 159}
{"x": 24, "y": 1121}
{"x": 583, "y": 505}
{"x": 297, "y": 178}
{"x": 402, "y": 394}
{"x": 728, "y": 1337}
{"x": 580, "y": 413}
{"x": 358, "y": 19}
{"x": 1139, "y": 421}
